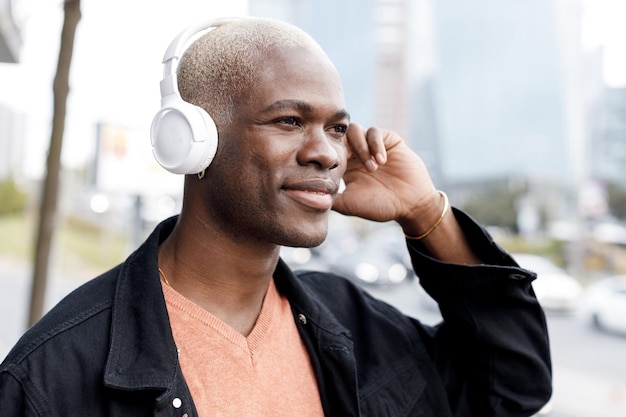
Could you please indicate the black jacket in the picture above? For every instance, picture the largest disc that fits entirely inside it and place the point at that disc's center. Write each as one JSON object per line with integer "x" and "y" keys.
{"x": 107, "y": 348}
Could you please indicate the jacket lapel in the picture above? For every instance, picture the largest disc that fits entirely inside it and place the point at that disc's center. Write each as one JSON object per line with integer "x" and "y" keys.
{"x": 328, "y": 343}
{"x": 142, "y": 354}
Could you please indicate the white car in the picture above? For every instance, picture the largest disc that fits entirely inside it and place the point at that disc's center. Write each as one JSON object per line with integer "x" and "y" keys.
{"x": 555, "y": 289}
{"x": 604, "y": 303}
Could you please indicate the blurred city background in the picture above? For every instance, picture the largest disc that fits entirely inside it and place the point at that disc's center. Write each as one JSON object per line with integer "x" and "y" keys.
{"x": 518, "y": 108}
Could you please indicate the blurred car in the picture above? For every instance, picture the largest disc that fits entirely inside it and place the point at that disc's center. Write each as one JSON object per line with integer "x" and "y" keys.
{"x": 604, "y": 304}
{"x": 382, "y": 259}
{"x": 556, "y": 290}
{"x": 371, "y": 267}
{"x": 377, "y": 257}
{"x": 389, "y": 239}
{"x": 302, "y": 258}
{"x": 341, "y": 242}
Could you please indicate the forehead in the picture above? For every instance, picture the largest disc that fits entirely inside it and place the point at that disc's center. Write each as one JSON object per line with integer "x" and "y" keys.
{"x": 297, "y": 73}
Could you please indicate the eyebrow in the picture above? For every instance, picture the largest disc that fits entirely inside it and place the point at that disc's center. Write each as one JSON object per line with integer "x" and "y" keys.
{"x": 302, "y": 107}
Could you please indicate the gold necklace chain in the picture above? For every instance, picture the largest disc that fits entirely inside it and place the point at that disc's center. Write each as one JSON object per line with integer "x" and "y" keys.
{"x": 162, "y": 274}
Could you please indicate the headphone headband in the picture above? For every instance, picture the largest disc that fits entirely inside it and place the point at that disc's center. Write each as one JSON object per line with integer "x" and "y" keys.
{"x": 183, "y": 136}
{"x": 175, "y": 50}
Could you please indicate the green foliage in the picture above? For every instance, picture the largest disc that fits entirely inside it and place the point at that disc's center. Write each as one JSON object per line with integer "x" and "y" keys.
{"x": 549, "y": 248}
{"x": 17, "y": 231}
{"x": 494, "y": 207}
{"x": 12, "y": 199}
{"x": 81, "y": 246}
{"x": 88, "y": 244}
{"x": 617, "y": 201}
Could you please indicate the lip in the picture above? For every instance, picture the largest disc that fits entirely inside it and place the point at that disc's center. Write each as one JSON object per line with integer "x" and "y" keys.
{"x": 314, "y": 193}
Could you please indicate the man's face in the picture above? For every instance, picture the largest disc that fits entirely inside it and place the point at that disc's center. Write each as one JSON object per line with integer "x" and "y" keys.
{"x": 281, "y": 159}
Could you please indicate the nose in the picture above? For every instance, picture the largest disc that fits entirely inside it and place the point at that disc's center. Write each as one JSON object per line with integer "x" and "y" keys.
{"x": 319, "y": 149}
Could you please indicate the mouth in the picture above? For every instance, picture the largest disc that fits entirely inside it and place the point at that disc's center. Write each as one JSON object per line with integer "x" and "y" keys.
{"x": 317, "y": 194}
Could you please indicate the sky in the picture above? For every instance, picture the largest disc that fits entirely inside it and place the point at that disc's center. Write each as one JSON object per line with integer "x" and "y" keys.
{"x": 118, "y": 50}
{"x": 604, "y": 24}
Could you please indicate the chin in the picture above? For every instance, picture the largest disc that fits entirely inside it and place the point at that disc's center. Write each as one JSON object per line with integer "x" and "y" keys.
{"x": 302, "y": 239}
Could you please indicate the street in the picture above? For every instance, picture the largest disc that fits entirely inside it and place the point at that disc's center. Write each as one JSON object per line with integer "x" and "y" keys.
{"x": 589, "y": 366}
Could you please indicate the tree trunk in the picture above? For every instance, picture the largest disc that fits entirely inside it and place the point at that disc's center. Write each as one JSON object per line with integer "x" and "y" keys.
{"x": 48, "y": 209}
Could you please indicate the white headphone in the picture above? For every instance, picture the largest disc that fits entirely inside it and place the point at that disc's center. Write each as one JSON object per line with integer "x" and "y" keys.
{"x": 183, "y": 136}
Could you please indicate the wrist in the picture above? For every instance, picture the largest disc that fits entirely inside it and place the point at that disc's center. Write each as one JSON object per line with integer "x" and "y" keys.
{"x": 422, "y": 225}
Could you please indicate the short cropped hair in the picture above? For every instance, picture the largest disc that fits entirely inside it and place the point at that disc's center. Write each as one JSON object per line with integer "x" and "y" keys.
{"x": 222, "y": 64}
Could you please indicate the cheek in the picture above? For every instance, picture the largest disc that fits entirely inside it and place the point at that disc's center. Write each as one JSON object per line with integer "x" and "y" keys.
{"x": 236, "y": 159}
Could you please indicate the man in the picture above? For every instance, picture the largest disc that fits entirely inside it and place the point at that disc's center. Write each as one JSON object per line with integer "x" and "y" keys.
{"x": 230, "y": 330}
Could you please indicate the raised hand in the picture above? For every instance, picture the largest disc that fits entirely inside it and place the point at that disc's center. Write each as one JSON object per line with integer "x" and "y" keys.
{"x": 385, "y": 179}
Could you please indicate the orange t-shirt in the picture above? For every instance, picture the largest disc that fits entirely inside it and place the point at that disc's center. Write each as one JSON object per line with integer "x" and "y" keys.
{"x": 267, "y": 373}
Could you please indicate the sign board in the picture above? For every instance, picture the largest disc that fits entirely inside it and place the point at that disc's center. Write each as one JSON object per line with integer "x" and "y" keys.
{"x": 124, "y": 164}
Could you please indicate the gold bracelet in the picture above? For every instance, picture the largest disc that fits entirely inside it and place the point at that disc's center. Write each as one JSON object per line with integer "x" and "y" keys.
{"x": 446, "y": 206}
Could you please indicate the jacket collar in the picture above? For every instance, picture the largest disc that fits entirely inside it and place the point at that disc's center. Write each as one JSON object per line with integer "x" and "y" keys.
{"x": 305, "y": 301}
{"x": 142, "y": 354}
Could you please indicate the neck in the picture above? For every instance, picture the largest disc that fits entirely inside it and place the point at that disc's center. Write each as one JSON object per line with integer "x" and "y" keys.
{"x": 229, "y": 279}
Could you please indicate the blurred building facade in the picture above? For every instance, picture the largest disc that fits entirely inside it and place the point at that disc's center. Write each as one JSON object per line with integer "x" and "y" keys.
{"x": 11, "y": 123}
{"x": 10, "y": 39}
{"x": 12, "y": 126}
{"x": 608, "y": 137}
{"x": 509, "y": 101}
{"x": 486, "y": 91}
{"x": 391, "y": 40}
{"x": 346, "y": 31}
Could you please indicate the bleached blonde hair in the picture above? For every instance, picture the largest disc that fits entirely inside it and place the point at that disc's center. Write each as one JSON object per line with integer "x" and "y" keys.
{"x": 221, "y": 66}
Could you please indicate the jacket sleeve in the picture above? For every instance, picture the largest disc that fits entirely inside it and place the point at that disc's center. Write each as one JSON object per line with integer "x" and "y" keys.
{"x": 14, "y": 401}
{"x": 492, "y": 348}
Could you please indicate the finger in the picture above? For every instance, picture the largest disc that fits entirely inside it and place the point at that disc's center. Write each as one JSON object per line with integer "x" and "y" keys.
{"x": 375, "y": 140}
{"x": 359, "y": 144}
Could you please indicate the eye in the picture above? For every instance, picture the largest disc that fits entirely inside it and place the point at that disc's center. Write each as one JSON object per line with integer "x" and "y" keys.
{"x": 341, "y": 129}
{"x": 290, "y": 120}
{"x": 338, "y": 131}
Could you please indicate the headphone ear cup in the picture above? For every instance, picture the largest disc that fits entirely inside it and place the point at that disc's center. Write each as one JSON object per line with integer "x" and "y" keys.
{"x": 184, "y": 138}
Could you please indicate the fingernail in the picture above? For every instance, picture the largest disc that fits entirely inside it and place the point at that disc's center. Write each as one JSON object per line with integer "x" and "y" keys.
{"x": 380, "y": 158}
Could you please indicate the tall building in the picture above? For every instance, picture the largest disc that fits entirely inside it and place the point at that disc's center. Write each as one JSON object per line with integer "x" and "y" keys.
{"x": 10, "y": 40}
{"x": 391, "y": 38}
{"x": 346, "y": 31}
{"x": 500, "y": 90}
{"x": 608, "y": 138}
{"x": 483, "y": 90}
{"x": 11, "y": 142}
{"x": 11, "y": 123}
